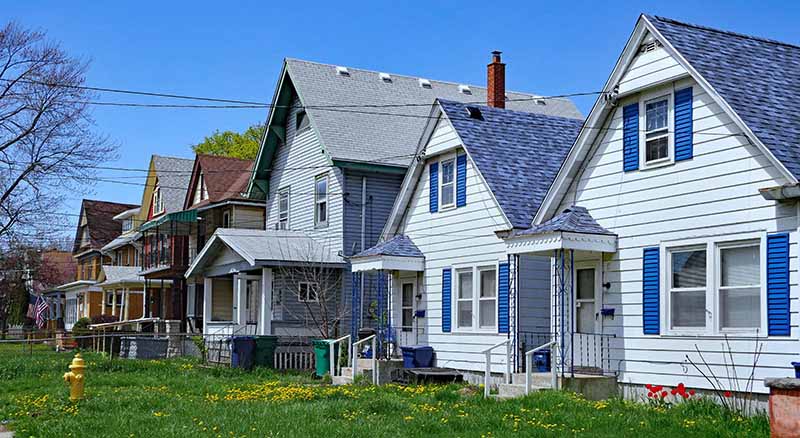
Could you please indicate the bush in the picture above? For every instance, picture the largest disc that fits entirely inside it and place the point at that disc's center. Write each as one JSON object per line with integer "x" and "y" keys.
{"x": 104, "y": 319}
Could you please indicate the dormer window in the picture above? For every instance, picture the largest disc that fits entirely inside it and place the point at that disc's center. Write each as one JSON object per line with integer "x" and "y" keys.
{"x": 200, "y": 191}
{"x": 301, "y": 123}
{"x": 127, "y": 225}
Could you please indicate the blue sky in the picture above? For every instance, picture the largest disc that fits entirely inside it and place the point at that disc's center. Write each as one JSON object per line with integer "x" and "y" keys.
{"x": 235, "y": 51}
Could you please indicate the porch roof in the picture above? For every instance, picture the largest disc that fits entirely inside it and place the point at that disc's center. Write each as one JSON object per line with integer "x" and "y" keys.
{"x": 396, "y": 254}
{"x": 233, "y": 250}
{"x": 186, "y": 216}
{"x": 119, "y": 275}
{"x": 574, "y": 228}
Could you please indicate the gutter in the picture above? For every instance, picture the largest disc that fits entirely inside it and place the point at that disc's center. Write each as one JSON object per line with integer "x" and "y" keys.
{"x": 785, "y": 192}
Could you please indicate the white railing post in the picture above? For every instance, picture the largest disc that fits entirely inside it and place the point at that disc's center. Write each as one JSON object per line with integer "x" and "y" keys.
{"x": 529, "y": 366}
{"x": 553, "y": 366}
{"x": 488, "y": 373}
{"x": 374, "y": 360}
{"x": 508, "y": 363}
{"x": 354, "y": 359}
{"x": 332, "y": 347}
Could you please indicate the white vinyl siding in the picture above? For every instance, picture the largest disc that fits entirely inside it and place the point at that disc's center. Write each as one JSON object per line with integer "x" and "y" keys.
{"x": 296, "y": 164}
{"x": 713, "y": 194}
{"x": 463, "y": 238}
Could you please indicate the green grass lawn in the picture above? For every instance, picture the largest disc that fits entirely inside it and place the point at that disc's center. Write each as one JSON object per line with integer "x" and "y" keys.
{"x": 166, "y": 398}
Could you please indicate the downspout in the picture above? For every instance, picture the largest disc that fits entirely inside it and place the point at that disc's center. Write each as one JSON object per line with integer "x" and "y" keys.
{"x": 363, "y": 243}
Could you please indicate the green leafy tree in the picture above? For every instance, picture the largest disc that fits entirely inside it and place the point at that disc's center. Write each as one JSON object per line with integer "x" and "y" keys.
{"x": 232, "y": 144}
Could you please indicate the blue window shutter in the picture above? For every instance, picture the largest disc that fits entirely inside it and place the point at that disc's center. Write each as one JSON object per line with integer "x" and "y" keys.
{"x": 778, "y": 284}
{"x": 630, "y": 137}
{"x": 461, "y": 180}
{"x": 651, "y": 321}
{"x": 446, "y": 296}
{"x": 434, "y": 189}
{"x": 502, "y": 298}
{"x": 684, "y": 146}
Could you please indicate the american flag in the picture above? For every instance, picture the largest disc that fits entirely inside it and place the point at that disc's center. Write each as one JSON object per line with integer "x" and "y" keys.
{"x": 41, "y": 310}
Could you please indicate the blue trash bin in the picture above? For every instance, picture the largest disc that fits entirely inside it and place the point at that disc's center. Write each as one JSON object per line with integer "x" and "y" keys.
{"x": 417, "y": 356}
{"x": 242, "y": 352}
{"x": 541, "y": 360}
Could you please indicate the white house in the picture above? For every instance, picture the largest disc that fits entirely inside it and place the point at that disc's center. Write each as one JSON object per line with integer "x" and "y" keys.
{"x": 686, "y": 173}
{"x": 481, "y": 172}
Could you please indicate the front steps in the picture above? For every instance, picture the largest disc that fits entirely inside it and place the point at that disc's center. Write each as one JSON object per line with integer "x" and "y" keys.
{"x": 346, "y": 377}
{"x": 593, "y": 387}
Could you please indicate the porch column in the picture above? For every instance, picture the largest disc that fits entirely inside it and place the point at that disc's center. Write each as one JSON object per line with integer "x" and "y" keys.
{"x": 240, "y": 299}
{"x": 207, "y": 291}
{"x": 265, "y": 318}
{"x": 126, "y": 303}
{"x": 103, "y": 303}
{"x": 113, "y": 302}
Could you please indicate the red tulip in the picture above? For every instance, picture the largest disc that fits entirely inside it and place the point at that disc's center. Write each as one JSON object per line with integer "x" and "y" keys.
{"x": 685, "y": 395}
{"x": 650, "y": 394}
{"x": 691, "y": 392}
{"x": 727, "y": 394}
{"x": 648, "y": 386}
{"x": 663, "y": 394}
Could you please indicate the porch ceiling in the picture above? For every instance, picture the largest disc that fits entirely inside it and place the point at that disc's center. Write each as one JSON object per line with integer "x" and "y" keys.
{"x": 387, "y": 263}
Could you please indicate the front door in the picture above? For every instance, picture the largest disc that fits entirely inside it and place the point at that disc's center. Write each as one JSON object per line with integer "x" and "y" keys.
{"x": 253, "y": 301}
{"x": 407, "y": 332}
{"x": 587, "y": 341}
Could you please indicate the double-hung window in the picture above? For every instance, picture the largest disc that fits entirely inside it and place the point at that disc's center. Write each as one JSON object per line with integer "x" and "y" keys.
{"x": 656, "y": 132}
{"x": 476, "y": 298}
{"x": 283, "y": 209}
{"x": 687, "y": 292}
{"x": 447, "y": 185}
{"x": 321, "y": 201}
{"x": 158, "y": 200}
{"x": 715, "y": 286}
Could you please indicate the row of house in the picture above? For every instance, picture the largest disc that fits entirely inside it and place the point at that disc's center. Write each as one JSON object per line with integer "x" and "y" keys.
{"x": 658, "y": 232}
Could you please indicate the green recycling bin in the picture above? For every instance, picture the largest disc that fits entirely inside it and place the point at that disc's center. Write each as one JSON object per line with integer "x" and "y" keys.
{"x": 322, "y": 353}
{"x": 265, "y": 351}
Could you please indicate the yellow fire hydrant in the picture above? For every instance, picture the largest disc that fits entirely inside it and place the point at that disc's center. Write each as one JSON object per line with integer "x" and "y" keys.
{"x": 75, "y": 378}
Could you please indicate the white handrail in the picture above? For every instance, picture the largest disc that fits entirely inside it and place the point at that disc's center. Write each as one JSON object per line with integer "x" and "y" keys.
{"x": 488, "y": 371}
{"x": 354, "y": 358}
{"x": 529, "y": 365}
{"x": 332, "y": 346}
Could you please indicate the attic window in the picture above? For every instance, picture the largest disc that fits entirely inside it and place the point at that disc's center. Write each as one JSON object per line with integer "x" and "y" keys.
{"x": 474, "y": 113}
{"x": 649, "y": 46}
{"x": 385, "y": 77}
{"x": 342, "y": 71}
{"x": 424, "y": 83}
{"x": 464, "y": 89}
{"x": 302, "y": 121}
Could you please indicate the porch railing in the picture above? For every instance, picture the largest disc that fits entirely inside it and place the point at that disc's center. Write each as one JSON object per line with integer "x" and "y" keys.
{"x": 334, "y": 358}
{"x": 354, "y": 357}
{"x": 488, "y": 371}
{"x": 553, "y": 345}
{"x": 584, "y": 353}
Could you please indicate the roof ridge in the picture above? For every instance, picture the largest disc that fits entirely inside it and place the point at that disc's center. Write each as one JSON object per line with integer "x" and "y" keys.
{"x": 722, "y": 31}
{"x": 418, "y": 77}
{"x": 225, "y": 157}
{"x": 512, "y": 111}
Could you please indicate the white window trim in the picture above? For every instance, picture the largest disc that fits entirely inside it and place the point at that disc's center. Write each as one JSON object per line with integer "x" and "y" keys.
{"x": 158, "y": 203}
{"x": 669, "y": 93}
{"x": 286, "y": 191}
{"x": 440, "y": 180}
{"x": 476, "y": 270}
{"x": 712, "y": 244}
{"x": 317, "y": 222}
{"x": 309, "y": 285}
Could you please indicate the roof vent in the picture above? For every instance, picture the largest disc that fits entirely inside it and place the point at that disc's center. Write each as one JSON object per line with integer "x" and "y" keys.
{"x": 541, "y": 101}
{"x": 424, "y": 83}
{"x": 649, "y": 46}
{"x": 474, "y": 113}
{"x": 464, "y": 89}
{"x": 342, "y": 71}
{"x": 385, "y": 77}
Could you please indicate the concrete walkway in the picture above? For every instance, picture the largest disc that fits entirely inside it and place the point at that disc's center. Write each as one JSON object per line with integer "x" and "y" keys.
{"x": 6, "y": 434}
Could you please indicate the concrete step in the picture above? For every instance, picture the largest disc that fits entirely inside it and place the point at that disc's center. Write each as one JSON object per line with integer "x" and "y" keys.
{"x": 537, "y": 379}
{"x": 341, "y": 380}
{"x": 510, "y": 390}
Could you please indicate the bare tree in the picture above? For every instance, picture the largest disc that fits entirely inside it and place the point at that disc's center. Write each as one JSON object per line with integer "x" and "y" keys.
{"x": 47, "y": 144}
{"x": 318, "y": 286}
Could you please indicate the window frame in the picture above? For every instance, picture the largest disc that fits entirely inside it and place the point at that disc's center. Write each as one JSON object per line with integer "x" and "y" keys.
{"x": 317, "y": 222}
{"x": 475, "y": 270}
{"x": 309, "y": 287}
{"x": 670, "y": 290}
{"x": 158, "y": 201}
{"x": 441, "y": 184}
{"x": 285, "y": 191}
{"x": 660, "y": 93}
{"x": 226, "y": 219}
{"x": 298, "y": 122}
{"x": 713, "y": 315}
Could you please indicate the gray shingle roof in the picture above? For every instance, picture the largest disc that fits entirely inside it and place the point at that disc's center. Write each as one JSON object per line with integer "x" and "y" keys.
{"x": 353, "y": 135}
{"x": 575, "y": 219}
{"x": 121, "y": 274}
{"x": 517, "y": 153}
{"x": 759, "y": 78}
{"x": 398, "y": 246}
{"x": 173, "y": 178}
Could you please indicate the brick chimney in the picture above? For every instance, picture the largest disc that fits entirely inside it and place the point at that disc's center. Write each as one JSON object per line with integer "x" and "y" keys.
{"x": 496, "y": 82}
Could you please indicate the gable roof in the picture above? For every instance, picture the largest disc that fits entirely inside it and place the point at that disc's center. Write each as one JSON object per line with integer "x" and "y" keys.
{"x": 386, "y": 134}
{"x": 398, "y": 246}
{"x": 173, "y": 178}
{"x": 517, "y": 153}
{"x": 225, "y": 178}
{"x": 100, "y": 222}
{"x": 575, "y": 219}
{"x": 759, "y": 78}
